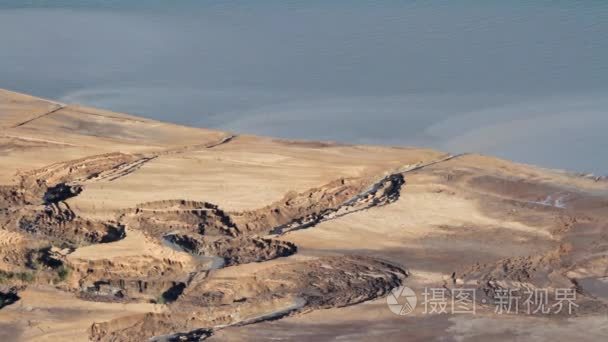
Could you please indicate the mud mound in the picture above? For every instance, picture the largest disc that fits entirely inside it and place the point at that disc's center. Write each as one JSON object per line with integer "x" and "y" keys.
{"x": 323, "y": 283}
{"x": 530, "y": 271}
{"x": 128, "y": 267}
{"x": 78, "y": 170}
{"x": 213, "y": 303}
{"x": 306, "y": 209}
{"x": 60, "y": 181}
{"x": 294, "y": 211}
{"x": 129, "y": 279}
{"x": 305, "y": 206}
{"x": 234, "y": 251}
{"x": 59, "y": 223}
{"x": 131, "y": 290}
{"x": 175, "y": 205}
{"x": 163, "y": 326}
{"x": 526, "y": 275}
{"x": 162, "y": 217}
{"x": 150, "y": 279}
{"x": 188, "y": 323}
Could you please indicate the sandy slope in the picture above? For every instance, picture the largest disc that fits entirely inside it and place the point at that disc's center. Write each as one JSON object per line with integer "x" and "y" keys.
{"x": 470, "y": 221}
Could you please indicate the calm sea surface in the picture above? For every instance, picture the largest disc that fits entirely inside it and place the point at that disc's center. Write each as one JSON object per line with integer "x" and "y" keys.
{"x": 524, "y": 80}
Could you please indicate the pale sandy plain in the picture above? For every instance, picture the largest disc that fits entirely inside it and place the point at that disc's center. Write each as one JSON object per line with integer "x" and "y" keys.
{"x": 119, "y": 228}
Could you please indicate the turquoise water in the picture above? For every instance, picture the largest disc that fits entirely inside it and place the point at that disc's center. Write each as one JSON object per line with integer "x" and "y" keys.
{"x": 525, "y": 80}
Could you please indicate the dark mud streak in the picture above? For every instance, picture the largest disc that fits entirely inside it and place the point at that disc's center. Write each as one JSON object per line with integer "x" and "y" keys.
{"x": 125, "y": 169}
{"x": 122, "y": 170}
{"x": 395, "y": 181}
{"x": 198, "y": 147}
{"x": 434, "y": 162}
{"x": 8, "y": 298}
{"x": 173, "y": 293}
{"x": 309, "y": 300}
{"x": 60, "y": 193}
{"x": 273, "y": 316}
{"x": 194, "y": 335}
{"x": 223, "y": 141}
{"x": 54, "y": 110}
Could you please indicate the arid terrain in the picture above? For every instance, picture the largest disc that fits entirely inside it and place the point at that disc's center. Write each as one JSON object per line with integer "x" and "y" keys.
{"x": 120, "y": 228}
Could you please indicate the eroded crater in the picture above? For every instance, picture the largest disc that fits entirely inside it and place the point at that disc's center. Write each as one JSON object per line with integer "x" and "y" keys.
{"x": 234, "y": 251}
{"x": 219, "y": 301}
{"x": 58, "y": 222}
{"x": 162, "y": 217}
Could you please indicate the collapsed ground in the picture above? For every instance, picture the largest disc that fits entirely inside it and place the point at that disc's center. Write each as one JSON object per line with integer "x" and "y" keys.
{"x": 48, "y": 237}
{"x": 189, "y": 234}
{"x": 204, "y": 237}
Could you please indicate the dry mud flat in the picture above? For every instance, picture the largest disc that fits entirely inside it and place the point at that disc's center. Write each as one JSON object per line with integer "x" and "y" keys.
{"x": 195, "y": 233}
{"x": 116, "y": 228}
